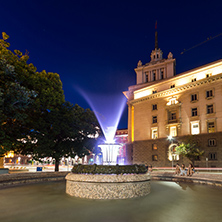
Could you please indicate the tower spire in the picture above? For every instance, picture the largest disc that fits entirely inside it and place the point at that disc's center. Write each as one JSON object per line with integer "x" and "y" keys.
{"x": 156, "y": 37}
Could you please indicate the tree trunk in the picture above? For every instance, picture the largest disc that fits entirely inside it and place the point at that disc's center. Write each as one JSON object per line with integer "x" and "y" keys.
{"x": 56, "y": 165}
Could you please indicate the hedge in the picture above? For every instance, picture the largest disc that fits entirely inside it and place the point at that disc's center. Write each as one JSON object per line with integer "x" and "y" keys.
{"x": 109, "y": 169}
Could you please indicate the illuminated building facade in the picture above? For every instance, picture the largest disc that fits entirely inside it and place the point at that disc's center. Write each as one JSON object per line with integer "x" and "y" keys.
{"x": 121, "y": 137}
{"x": 164, "y": 104}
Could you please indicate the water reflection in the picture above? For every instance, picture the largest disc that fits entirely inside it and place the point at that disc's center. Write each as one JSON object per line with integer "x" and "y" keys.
{"x": 168, "y": 201}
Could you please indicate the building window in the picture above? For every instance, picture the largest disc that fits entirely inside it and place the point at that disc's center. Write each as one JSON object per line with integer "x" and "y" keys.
{"x": 210, "y": 109}
{"x": 172, "y": 116}
{"x": 208, "y": 75}
{"x": 212, "y": 142}
{"x": 161, "y": 73}
{"x": 173, "y": 131}
{"x": 194, "y": 112}
{"x": 154, "y": 119}
{"x": 195, "y": 128}
{"x": 154, "y": 91}
{"x": 154, "y": 158}
{"x": 210, "y": 127}
{"x": 172, "y": 86}
{"x": 194, "y": 80}
{"x": 212, "y": 156}
{"x": 172, "y": 154}
{"x": 154, "y": 107}
{"x": 154, "y": 146}
{"x": 154, "y": 133}
{"x": 193, "y": 97}
{"x": 146, "y": 77}
{"x": 209, "y": 94}
{"x": 154, "y": 75}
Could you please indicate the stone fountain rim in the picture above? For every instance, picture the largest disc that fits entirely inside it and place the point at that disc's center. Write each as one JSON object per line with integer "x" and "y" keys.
{"x": 108, "y": 178}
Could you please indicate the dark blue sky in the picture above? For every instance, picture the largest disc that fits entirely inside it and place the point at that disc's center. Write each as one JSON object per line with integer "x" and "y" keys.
{"x": 95, "y": 45}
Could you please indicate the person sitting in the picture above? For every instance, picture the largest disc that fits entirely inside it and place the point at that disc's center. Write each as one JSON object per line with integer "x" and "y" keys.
{"x": 183, "y": 170}
{"x": 190, "y": 170}
{"x": 177, "y": 172}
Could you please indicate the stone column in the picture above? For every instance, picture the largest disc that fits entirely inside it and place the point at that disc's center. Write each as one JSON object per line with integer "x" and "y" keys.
{"x": 1, "y": 162}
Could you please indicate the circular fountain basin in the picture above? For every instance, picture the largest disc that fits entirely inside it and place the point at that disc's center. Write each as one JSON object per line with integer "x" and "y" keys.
{"x": 106, "y": 186}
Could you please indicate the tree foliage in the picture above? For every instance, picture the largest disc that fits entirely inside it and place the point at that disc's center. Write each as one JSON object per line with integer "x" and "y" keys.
{"x": 34, "y": 117}
{"x": 190, "y": 149}
{"x": 25, "y": 94}
{"x": 66, "y": 131}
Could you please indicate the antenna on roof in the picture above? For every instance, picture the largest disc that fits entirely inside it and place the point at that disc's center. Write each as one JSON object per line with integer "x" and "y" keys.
{"x": 208, "y": 39}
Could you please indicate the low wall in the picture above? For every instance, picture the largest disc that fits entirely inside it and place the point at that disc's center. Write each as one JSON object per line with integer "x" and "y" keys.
{"x": 7, "y": 180}
{"x": 213, "y": 179}
{"x": 3, "y": 170}
{"x": 107, "y": 186}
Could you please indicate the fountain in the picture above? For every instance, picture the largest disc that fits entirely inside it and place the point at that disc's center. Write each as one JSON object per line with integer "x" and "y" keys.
{"x": 108, "y": 181}
{"x": 110, "y": 152}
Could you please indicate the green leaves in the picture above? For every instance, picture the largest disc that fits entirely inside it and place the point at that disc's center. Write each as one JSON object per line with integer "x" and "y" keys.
{"x": 25, "y": 95}
{"x": 190, "y": 149}
{"x": 4, "y": 36}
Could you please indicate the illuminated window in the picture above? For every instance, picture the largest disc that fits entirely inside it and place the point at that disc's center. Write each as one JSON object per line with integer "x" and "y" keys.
{"x": 212, "y": 142}
{"x": 154, "y": 146}
{"x": 154, "y": 119}
{"x": 210, "y": 109}
{"x": 194, "y": 112}
{"x": 172, "y": 155}
{"x": 212, "y": 156}
{"x": 154, "y": 158}
{"x": 209, "y": 94}
{"x": 210, "y": 127}
{"x": 193, "y": 97}
{"x": 173, "y": 131}
{"x": 154, "y": 107}
{"x": 195, "y": 129}
{"x": 154, "y": 133}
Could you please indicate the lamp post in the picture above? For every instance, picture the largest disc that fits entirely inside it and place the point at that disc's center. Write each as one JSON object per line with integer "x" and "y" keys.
{"x": 170, "y": 138}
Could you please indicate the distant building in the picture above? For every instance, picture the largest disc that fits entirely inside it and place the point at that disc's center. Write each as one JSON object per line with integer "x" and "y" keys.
{"x": 164, "y": 104}
{"x": 121, "y": 137}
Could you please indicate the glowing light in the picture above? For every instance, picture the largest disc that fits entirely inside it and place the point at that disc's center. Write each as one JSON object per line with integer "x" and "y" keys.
{"x": 9, "y": 154}
{"x": 142, "y": 93}
{"x": 170, "y": 137}
{"x": 108, "y": 110}
{"x": 110, "y": 152}
{"x": 172, "y": 101}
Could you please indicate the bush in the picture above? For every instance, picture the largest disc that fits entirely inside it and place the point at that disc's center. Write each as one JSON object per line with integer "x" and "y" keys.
{"x": 109, "y": 169}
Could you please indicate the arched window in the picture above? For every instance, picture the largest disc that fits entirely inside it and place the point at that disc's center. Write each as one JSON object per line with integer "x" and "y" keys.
{"x": 172, "y": 155}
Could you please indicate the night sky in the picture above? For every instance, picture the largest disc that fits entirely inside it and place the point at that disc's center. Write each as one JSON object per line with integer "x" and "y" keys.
{"x": 95, "y": 45}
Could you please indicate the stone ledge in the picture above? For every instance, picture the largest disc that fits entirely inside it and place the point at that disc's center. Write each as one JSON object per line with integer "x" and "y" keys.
{"x": 8, "y": 180}
{"x": 207, "y": 179}
{"x": 100, "y": 178}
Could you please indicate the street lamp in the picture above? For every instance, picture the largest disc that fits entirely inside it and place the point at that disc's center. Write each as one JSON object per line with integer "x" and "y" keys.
{"x": 170, "y": 138}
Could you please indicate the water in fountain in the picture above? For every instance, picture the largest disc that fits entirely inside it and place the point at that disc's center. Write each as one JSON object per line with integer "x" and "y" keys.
{"x": 108, "y": 110}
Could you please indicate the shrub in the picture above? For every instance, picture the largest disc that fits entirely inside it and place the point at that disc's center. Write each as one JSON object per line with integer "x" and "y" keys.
{"x": 109, "y": 169}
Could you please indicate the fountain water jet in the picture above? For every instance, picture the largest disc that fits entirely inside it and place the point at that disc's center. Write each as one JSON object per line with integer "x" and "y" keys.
{"x": 113, "y": 108}
{"x": 110, "y": 153}
{"x": 101, "y": 184}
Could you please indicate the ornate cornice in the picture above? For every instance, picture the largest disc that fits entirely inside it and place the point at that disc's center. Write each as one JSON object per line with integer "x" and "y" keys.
{"x": 173, "y": 91}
